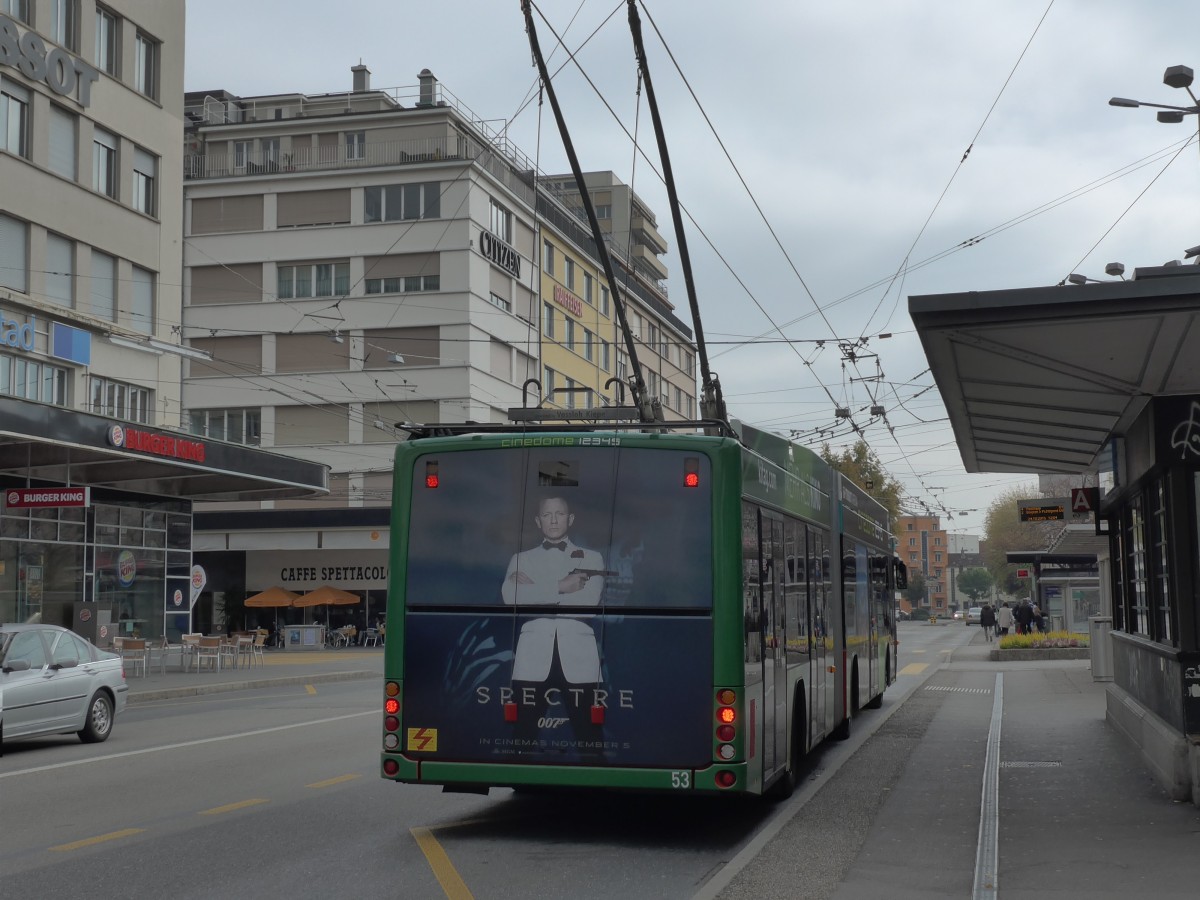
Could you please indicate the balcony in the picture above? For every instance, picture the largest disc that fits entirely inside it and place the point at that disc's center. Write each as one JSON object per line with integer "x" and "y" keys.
{"x": 648, "y": 262}
{"x": 645, "y": 230}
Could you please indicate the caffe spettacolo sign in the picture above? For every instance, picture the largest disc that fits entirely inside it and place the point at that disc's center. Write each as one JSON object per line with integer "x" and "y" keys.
{"x": 303, "y": 570}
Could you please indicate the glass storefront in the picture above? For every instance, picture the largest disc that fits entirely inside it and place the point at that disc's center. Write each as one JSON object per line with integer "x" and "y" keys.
{"x": 131, "y": 555}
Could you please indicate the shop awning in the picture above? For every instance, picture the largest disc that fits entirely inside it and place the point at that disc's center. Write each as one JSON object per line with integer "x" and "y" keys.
{"x": 1038, "y": 379}
{"x": 52, "y": 444}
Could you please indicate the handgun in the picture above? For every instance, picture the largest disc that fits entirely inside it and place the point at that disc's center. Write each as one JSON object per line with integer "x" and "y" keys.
{"x": 590, "y": 573}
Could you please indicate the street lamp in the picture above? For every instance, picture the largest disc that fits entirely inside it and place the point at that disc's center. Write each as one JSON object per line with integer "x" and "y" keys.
{"x": 1176, "y": 77}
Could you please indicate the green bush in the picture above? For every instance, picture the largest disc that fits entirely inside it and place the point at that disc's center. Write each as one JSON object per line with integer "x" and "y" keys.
{"x": 1036, "y": 641}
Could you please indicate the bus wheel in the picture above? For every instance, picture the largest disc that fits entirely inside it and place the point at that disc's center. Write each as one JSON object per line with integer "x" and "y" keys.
{"x": 786, "y": 785}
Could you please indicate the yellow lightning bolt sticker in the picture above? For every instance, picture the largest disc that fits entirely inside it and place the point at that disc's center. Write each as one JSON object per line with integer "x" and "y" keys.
{"x": 422, "y": 740}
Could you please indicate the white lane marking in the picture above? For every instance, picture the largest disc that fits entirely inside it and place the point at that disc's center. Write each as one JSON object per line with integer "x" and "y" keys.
{"x": 182, "y": 744}
{"x": 987, "y": 853}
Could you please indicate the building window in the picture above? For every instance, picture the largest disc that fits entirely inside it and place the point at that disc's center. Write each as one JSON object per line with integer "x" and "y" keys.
{"x": 104, "y": 163}
{"x": 912, "y": 542}
{"x": 569, "y": 273}
{"x": 604, "y": 211}
{"x": 269, "y": 147}
{"x": 501, "y": 222}
{"x": 548, "y": 320}
{"x": 547, "y": 383}
{"x": 104, "y": 286}
{"x": 106, "y": 41}
{"x": 29, "y": 379}
{"x": 142, "y": 311}
{"x": 1162, "y": 565}
{"x": 63, "y": 157}
{"x": 14, "y": 118}
{"x": 605, "y": 358}
{"x": 120, "y": 401}
{"x": 145, "y": 171}
{"x": 603, "y": 301}
{"x": 689, "y": 362}
{"x": 589, "y": 285}
{"x": 356, "y": 145}
{"x": 937, "y": 557}
{"x": 17, "y": 9}
{"x": 1136, "y": 577}
{"x": 548, "y": 257}
{"x": 912, "y": 557}
{"x": 589, "y": 349}
{"x": 569, "y": 332}
{"x": 314, "y": 280}
{"x": 145, "y": 65}
{"x": 398, "y": 202}
{"x": 14, "y": 254}
{"x": 60, "y": 270}
{"x": 498, "y": 301}
{"x": 64, "y": 24}
{"x": 409, "y": 284}
{"x": 238, "y": 426}
{"x": 241, "y": 154}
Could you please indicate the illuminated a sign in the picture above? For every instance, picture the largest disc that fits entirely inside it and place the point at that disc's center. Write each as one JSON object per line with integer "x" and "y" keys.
{"x": 168, "y": 445}
{"x": 1041, "y": 512}
{"x": 36, "y": 498}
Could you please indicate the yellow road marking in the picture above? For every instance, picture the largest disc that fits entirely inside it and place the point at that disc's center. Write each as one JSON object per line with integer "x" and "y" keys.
{"x": 230, "y": 807}
{"x": 99, "y": 839}
{"x": 443, "y": 869}
{"x": 914, "y": 668}
{"x": 327, "y": 782}
{"x": 310, "y": 688}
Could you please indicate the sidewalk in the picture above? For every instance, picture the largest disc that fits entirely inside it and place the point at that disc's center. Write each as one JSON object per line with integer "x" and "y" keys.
{"x": 279, "y": 667}
{"x": 1077, "y": 815}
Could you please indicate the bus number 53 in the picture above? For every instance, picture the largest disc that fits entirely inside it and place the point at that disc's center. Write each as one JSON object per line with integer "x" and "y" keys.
{"x": 681, "y": 779}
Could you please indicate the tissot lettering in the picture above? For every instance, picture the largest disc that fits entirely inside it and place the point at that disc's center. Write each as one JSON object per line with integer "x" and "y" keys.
{"x": 57, "y": 68}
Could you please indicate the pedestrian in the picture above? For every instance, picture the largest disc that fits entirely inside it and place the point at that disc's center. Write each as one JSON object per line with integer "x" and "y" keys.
{"x": 1024, "y": 616}
{"x": 1004, "y": 618}
{"x": 1039, "y": 619}
{"x": 987, "y": 620}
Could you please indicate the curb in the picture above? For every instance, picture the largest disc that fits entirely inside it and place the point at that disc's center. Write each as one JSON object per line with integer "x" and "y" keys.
{"x": 196, "y": 690}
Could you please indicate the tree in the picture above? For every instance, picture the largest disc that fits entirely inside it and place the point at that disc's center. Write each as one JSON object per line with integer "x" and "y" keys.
{"x": 1006, "y": 532}
{"x": 860, "y": 464}
{"x": 976, "y": 583}
{"x": 918, "y": 590}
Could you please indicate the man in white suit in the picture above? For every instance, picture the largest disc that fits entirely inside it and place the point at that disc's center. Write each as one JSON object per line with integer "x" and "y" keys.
{"x": 559, "y": 649}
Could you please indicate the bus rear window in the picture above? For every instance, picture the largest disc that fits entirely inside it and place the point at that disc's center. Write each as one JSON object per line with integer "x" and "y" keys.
{"x": 569, "y": 527}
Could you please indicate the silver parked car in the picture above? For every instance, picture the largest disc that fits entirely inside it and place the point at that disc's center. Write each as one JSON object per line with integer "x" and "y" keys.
{"x": 52, "y": 681}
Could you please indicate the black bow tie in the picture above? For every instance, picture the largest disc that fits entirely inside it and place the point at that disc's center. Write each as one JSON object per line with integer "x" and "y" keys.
{"x": 550, "y": 545}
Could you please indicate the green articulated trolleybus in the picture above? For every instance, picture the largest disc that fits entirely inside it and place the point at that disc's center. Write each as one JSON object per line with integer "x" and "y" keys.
{"x": 644, "y": 609}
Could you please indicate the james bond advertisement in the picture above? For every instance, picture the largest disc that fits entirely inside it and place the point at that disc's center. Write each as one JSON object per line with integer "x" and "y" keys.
{"x": 559, "y": 605}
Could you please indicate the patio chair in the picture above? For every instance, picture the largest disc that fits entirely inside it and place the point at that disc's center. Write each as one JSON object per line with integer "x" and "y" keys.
{"x": 245, "y": 649}
{"x": 256, "y": 649}
{"x": 135, "y": 653}
{"x": 229, "y": 650}
{"x": 208, "y": 649}
{"x": 190, "y": 644}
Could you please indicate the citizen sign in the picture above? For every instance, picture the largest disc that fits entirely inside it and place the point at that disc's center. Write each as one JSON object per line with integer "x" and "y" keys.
{"x": 500, "y": 253}
{"x": 56, "y": 67}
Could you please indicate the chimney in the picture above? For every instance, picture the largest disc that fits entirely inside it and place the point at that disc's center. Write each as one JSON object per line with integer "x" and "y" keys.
{"x": 428, "y": 88}
{"x": 362, "y": 78}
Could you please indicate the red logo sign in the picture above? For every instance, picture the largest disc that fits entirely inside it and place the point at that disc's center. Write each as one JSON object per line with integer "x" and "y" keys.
{"x": 568, "y": 301}
{"x": 1022, "y": 573}
{"x": 168, "y": 445}
{"x": 85, "y": 615}
{"x": 24, "y": 498}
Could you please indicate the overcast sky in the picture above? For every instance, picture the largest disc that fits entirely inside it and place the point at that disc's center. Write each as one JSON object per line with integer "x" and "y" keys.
{"x": 847, "y": 121}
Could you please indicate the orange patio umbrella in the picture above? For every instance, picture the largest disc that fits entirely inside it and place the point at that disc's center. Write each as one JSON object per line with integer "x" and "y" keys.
{"x": 273, "y": 597}
{"x": 326, "y": 594}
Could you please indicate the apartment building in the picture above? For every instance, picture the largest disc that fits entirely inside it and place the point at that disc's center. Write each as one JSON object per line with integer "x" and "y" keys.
{"x": 98, "y": 480}
{"x": 925, "y": 548}
{"x": 371, "y": 257}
